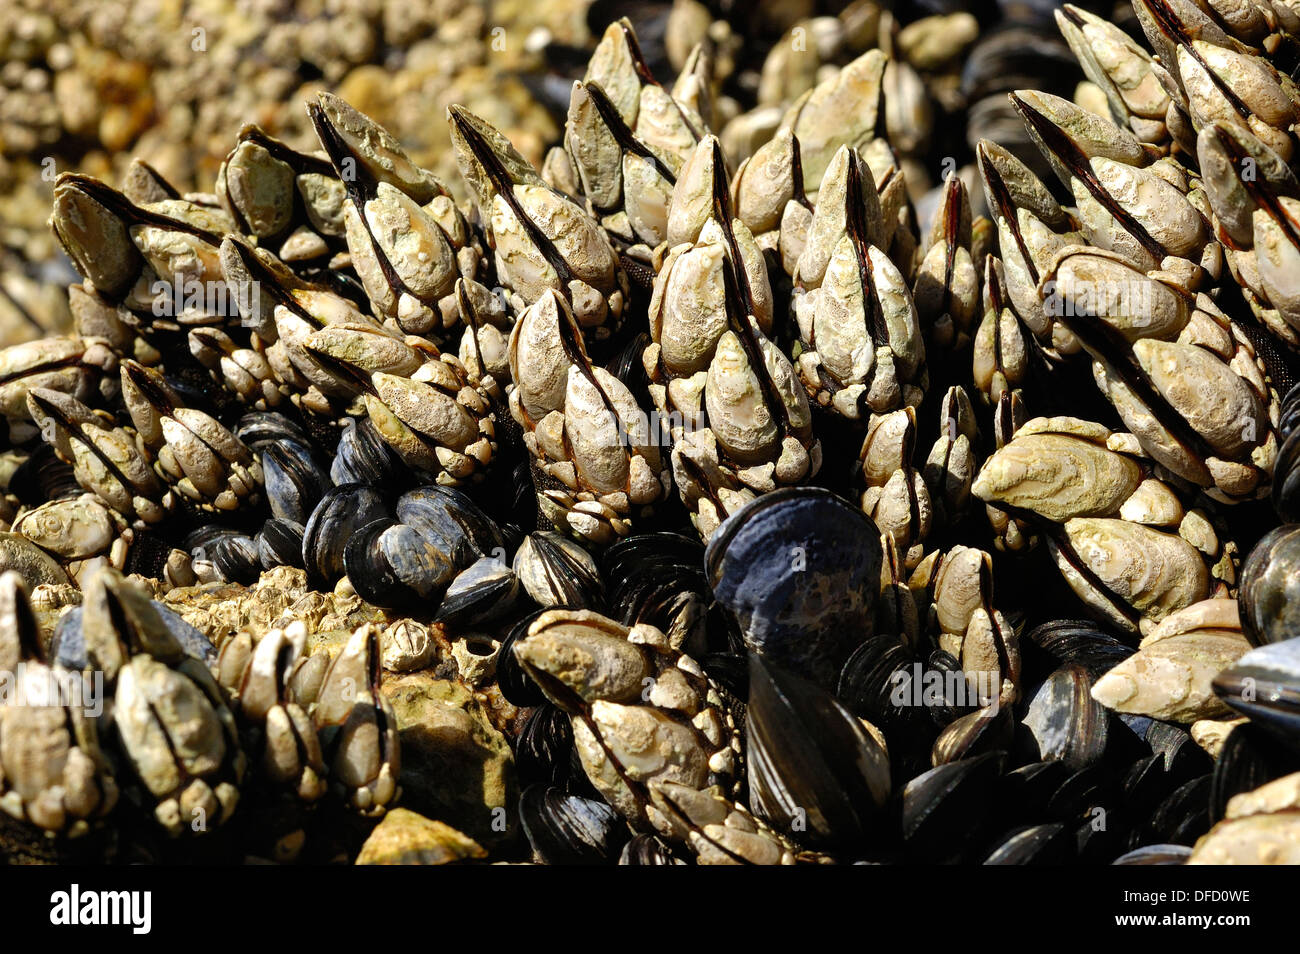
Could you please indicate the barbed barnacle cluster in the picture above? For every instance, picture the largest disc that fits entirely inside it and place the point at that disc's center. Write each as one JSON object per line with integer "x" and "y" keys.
{"x": 832, "y": 452}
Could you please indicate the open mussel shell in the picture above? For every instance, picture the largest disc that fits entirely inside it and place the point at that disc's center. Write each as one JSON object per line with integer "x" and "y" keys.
{"x": 557, "y": 572}
{"x": 569, "y": 829}
{"x": 451, "y": 522}
{"x": 1155, "y": 855}
{"x": 1065, "y": 721}
{"x": 342, "y": 511}
{"x": 947, "y": 809}
{"x": 1270, "y": 588}
{"x": 1264, "y": 684}
{"x": 1048, "y": 844}
{"x": 814, "y": 772}
{"x": 294, "y": 479}
{"x": 486, "y": 591}
{"x": 392, "y": 565}
{"x": 800, "y": 569}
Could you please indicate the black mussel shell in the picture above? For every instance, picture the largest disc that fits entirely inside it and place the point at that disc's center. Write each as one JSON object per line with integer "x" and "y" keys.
{"x": 658, "y": 578}
{"x": 68, "y": 645}
{"x": 544, "y": 749}
{"x": 453, "y": 523}
{"x": 1080, "y": 642}
{"x": 976, "y": 733}
{"x": 485, "y": 591}
{"x": 1286, "y": 479}
{"x": 1250, "y": 757}
{"x": 279, "y": 543}
{"x": 947, "y": 809}
{"x": 1155, "y": 855}
{"x": 42, "y": 476}
{"x": 1064, "y": 720}
{"x": 232, "y": 554}
{"x": 1050, "y": 844}
{"x": 1026, "y": 792}
{"x": 557, "y": 572}
{"x": 1289, "y": 416}
{"x": 263, "y": 429}
{"x": 627, "y": 366}
{"x": 876, "y": 684}
{"x": 1087, "y": 795}
{"x": 647, "y": 850}
{"x": 1144, "y": 786}
{"x": 814, "y": 772}
{"x": 1102, "y": 836}
{"x": 630, "y": 556}
{"x": 867, "y": 683}
{"x": 294, "y": 479}
{"x": 1270, "y": 588}
{"x": 1264, "y": 684}
{"x": 1176, "y": 746}
{"x": 800, "y": 569}
{"x": 729, "y": 672}
{"x": 392, "y": 565}
{"x": 342, "y": 511}
{"x": 515, "y": 684}
{"x": 569, "y": 829}
{"x": 363, "y": 457}
{"x": 1182, "y": 817}
{"x": 942, "y": 676}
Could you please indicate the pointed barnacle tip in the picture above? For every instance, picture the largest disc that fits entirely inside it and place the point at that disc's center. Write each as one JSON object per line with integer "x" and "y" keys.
{"x": 1114, "y": 689}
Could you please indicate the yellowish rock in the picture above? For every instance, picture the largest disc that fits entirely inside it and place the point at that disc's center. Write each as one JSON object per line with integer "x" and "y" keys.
{"x": 406, "y": 838}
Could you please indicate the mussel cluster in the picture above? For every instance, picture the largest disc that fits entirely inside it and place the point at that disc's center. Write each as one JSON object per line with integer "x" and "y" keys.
{"x": 873, "y": 445}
